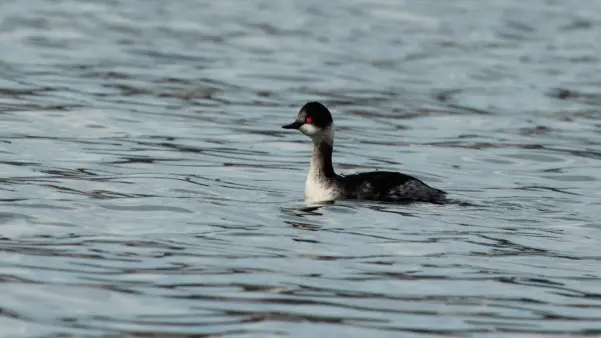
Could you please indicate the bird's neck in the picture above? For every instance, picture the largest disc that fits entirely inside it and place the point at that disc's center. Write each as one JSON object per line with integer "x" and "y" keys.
{"x": 321, "y": 161}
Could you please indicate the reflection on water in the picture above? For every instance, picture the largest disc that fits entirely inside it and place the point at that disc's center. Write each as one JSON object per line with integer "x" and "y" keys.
{"x": 147, "y": 189}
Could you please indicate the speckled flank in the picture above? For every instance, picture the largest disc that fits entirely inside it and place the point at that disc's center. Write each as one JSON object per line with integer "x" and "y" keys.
{"x": 387, "y": 186}
{"x": 414, "y": 190}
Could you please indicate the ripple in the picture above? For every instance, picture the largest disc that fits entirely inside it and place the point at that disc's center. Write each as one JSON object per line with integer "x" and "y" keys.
{"x": 147, "y": 189}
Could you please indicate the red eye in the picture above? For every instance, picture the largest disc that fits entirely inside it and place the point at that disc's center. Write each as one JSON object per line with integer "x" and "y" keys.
{"x": 309, "y": 119}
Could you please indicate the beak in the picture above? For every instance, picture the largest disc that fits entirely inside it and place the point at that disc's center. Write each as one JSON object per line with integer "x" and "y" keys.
{"x": 293, "y": 125}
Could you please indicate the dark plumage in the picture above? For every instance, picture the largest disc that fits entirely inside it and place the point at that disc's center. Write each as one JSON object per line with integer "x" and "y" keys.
{"x": 388, "y": 186}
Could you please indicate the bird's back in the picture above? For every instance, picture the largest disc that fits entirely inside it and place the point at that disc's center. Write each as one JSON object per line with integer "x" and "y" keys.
{"x": 388, "y": 186}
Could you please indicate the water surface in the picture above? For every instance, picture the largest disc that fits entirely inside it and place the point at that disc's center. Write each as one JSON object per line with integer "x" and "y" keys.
{"x": 148, "y": 191}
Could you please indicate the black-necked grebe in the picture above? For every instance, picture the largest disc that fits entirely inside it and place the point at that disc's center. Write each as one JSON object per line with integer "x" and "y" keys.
{"x": 323, "y": 184}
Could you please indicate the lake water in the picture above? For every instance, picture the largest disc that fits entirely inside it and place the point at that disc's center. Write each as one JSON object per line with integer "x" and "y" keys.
{"x": 149, "y": 191}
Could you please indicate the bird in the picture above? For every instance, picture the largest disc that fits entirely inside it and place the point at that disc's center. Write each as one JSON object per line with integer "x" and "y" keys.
{"x": 324, "y": 184}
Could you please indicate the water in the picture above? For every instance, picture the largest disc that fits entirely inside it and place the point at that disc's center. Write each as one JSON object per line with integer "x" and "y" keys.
{"x": 148, "y": 191}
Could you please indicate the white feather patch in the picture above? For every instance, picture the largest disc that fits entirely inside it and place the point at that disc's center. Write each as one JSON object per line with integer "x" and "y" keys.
{"x": 317, "y": 191}
{"x": 309, "y": 130}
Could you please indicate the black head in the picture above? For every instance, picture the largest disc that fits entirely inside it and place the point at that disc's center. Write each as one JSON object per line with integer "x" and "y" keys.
{"x": 313, "y": 119}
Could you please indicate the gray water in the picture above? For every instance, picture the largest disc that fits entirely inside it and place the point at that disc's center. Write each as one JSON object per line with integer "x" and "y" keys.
{"x": 147, "y": 189}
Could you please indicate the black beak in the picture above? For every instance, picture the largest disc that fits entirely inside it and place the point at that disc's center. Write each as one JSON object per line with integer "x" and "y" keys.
{"x": 293, "y": 125}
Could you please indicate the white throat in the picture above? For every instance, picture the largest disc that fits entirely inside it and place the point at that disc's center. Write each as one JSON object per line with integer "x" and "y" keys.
{"x": 317, "y": 134}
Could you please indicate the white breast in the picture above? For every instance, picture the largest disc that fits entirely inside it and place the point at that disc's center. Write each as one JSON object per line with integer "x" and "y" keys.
{"x": 316, "y": 189}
